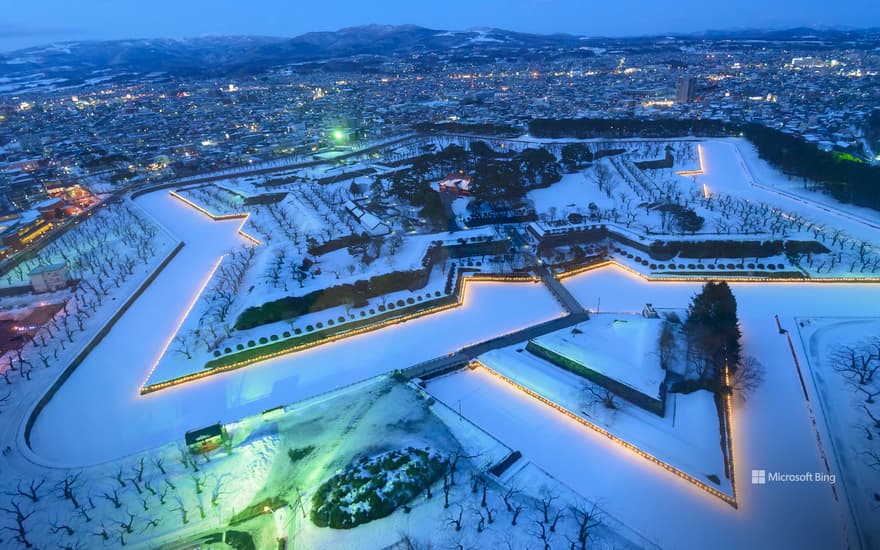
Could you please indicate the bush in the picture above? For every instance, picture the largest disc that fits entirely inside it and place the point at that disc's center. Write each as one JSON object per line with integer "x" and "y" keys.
{"x": 264, "y": 340}
{"x": 318, "y": 300}
{"x": 299, "y": 453}
{"x": 216, "y": 353}
{"x": 309, "y": 328}
{"x": 285, "y": 334}
{"x": 319, "y": 324}
{"x": 341, "y": 319}
{"x": 400, "y": 303}
{"x": 240, "y": 540}
{"x": 239, "y": 347}
{"x": 251, "y": 343}
{"x": 274, "y": 337}
{"x": 330, "y": 322}
{"x": 227, "y": 350}
{"x": 372, "y": 488}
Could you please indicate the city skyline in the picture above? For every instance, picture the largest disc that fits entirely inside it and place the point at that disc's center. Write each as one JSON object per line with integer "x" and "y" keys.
{"x": 30, "y": 24}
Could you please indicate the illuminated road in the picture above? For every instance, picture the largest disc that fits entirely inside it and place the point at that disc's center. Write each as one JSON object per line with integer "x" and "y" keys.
{"x": 113, "y": 420}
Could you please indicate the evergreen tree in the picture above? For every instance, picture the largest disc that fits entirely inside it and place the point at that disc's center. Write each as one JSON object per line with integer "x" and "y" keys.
{"x": 713, "y": 332}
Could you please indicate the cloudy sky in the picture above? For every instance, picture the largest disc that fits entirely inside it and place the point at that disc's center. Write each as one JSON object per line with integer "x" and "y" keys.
{"x": 32, "y": 22}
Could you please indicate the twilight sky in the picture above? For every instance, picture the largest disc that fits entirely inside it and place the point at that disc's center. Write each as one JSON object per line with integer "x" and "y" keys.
{"x": 33, "y": 22}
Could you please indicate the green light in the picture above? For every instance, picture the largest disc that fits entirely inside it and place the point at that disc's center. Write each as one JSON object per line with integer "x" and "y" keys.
{"x": 338, "y": 135}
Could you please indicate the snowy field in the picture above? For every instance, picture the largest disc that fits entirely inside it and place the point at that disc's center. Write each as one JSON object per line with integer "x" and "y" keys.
{"x": 121, "y": 421}
{"x": 772, "y": 431}
{"x": 99, "y": 417}
{"x": 852, "y": 431}
{"x": 686, "y": 438}
{"x": 621, "y": 347}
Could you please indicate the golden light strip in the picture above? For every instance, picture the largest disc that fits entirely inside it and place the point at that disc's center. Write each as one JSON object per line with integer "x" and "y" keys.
{"x": 683, "y": 475}
{"x": 728, "y": 425}
{"x": 189, "y": 309}
{"x": 704, "y": 278}
{"x": 220, "y": 217}
{"x": 699, "y": 170}
{"x": 460, "y": 299}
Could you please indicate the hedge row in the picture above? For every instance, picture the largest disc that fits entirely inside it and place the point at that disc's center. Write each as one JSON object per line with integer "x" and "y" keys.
{"x": 355, "y": 294}
{"x": 731, "y": 249}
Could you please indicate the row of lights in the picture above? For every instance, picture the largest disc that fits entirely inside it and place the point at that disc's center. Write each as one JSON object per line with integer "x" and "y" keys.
{"x": 703, "y": 278}
{"x": 461, "y": 297}
{"x": 181, "y": 321}
{"x": 699, "y": 170}
{"x": 687, "y": 477}
{"x": 220, "y": 217}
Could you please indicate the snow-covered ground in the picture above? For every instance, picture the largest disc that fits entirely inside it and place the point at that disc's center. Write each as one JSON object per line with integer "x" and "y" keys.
{"x": 686, "y": 438}
{"x": 621, "y": 347}
{"x": 772, "y": 430}
{"x": 852, "y": 432}
{"x": 121, "y": 421}
{"x": 98, "y": 414}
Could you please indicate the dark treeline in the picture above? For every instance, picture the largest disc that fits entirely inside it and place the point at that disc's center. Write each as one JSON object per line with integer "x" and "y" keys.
{"x": 846, "y": 180}
{"x": 500, "y": 130}
{"x": 585, "y": 128}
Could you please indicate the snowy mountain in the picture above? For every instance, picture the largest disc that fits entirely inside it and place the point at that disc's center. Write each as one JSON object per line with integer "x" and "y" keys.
{"x": 71, "y": 64}
{"x": 239, "y": 55}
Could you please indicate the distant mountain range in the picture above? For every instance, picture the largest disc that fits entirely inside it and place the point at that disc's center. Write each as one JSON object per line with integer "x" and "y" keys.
{"x": 76, "y": 63}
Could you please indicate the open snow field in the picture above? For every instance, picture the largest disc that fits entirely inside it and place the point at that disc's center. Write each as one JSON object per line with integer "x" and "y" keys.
{"x": 732, "y": 166}
{"x": 772, "y": 431}
{"x": 686, "y": 438}
{"x": 98, "y": 415}
{"x": 848, "y": 423}
{"x": 120, "y": 421}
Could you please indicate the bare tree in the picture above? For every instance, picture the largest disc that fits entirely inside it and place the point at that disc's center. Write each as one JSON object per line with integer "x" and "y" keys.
{"x": 595, "y": 395}
{"x": 746, "y": 377}
{"x": 455, "y": 521}
{"x": 20, "y": 528}
{"x": 858, "y": 364}
{"x": 31, "y": 491}
{"x": 587, "y": 519}
{"x": 66, "y": 486}
{"x": 56, "y": 527}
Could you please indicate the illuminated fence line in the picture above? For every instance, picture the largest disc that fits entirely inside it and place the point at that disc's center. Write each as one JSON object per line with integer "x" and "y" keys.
{"x": 459, "y": 300}
{"x": 728, "y": 429}
{"x": 704, "y": 278}
{"x": 683, "y": 475}
{"x": 183, "y": 317}
{"x": 699, "y": 170}
{"x": 219, "y": 217}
